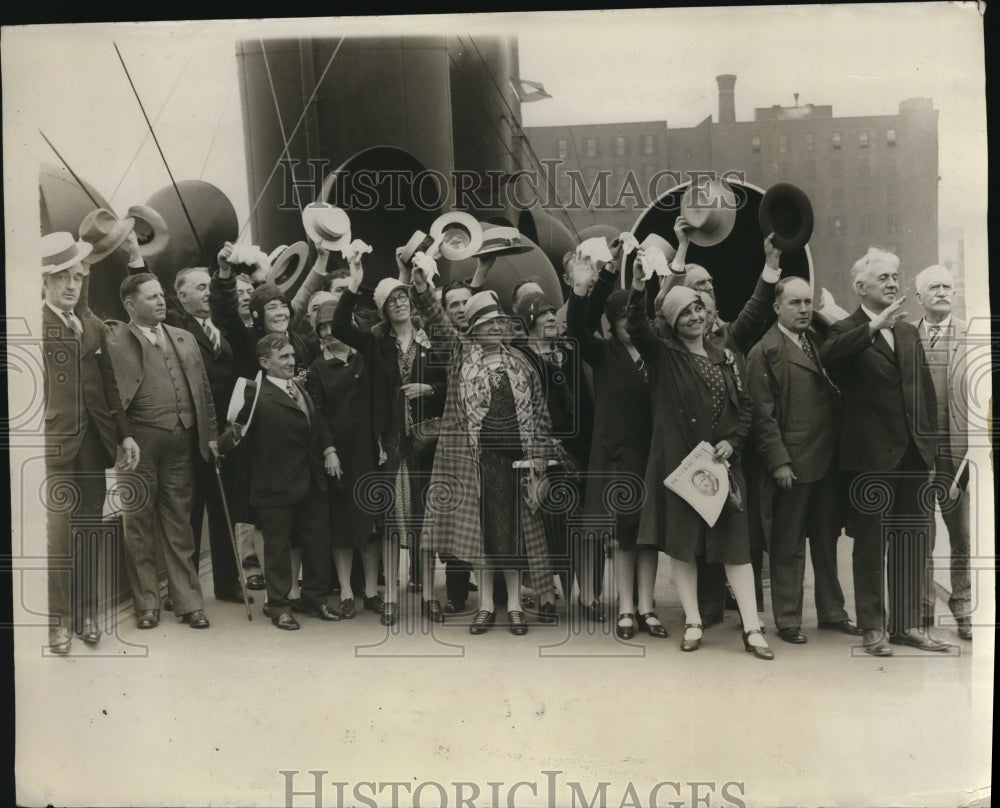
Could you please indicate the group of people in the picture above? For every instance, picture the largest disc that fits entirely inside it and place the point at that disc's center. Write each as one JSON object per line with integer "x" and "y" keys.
{"x": 328, "y": 431}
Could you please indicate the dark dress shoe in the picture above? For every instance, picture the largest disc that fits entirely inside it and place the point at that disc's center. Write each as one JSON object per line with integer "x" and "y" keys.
{"x": 920, "y": 639}
{"x": 964, "y": 628}
{"x": 694, "y": 643}
{"x": 454, "y": 607}
{"x": 233, "y": 597}
{"x": 285, "y": 621}
{"x": 547, "y": 613}
{"x": 625, "y": 627}
{"x": 347, "y": 608}
{"x": 656, "y": 629}
{"x": 320, "y": 610}
{"x": 374, "y": 603}
{"x": 843, "y": 626}
{"x": 527, "y": 601}
{"x": 60, "y": 640}
{"x": 196, "y": 619}
{"x": 759, "y": 651}
{"x": 91, "y": 633}
{"x": 255, "y": 582}
{"x": 149, "y": 618}
{"x": 389, "y": 614}
{"x": 593, "y": 612}
{"x": 482, "y": 621}
{"x": 875, "y": 644}
{"x": 431, "y": 609}
{"x": 168, "y": 604}
{"x": 517, "y": 624}
{"x": 792, "y": 634}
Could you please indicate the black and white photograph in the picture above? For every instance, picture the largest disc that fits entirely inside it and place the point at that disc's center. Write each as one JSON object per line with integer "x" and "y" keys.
{"x": 357, "y": 367}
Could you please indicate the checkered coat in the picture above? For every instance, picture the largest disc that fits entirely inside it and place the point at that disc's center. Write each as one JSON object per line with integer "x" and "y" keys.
{"x": 452, "y": 521}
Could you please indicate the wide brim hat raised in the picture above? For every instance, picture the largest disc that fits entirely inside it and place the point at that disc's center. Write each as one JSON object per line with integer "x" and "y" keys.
{"x": 710, "y": 209}
{"x": 61, "y": 251}
{"x": 787, "y": 212}
{"x": 327, "y": 224}
{"x": 151, "y": 230}
{"x": 288, "y": 260}
{"x": 105, "y": 232}
{"x": 501, "y": 240}
{"x": 458, "y": 233}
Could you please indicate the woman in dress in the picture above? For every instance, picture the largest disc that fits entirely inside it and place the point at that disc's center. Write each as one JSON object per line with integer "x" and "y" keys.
{"x": 623, "y": 426}
{"x": 697, "y": 395}
{"x": 334, "y": 380}
{"x": 404, "y": 386}
{"x": 494, "y": 434}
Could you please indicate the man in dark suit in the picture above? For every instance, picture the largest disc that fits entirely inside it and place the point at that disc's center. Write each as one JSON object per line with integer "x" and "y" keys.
{"x": 887, "y": 444}
{"x": 168, "y": 400}
{"x": 85, "y": 424}
{"x": 192, "y": 287}
{"x": 943, "y": 338}
{"x": 796, "y": 418}
{"x": 290, "y": 453}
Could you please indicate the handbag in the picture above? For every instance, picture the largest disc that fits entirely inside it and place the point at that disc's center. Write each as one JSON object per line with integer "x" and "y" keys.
{"x": 424, "y": 437}
{"x": 734, "y": 499}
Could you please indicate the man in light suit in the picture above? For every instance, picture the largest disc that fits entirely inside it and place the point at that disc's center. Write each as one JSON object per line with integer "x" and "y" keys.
{"x": 166, "y": 394}
{"x": 943, "y": 338}
{"x": 796, "y": 419}
{"x": 85, "y": 424}
{"x": 887, "y": 443}
{"x": 290, "y": 453}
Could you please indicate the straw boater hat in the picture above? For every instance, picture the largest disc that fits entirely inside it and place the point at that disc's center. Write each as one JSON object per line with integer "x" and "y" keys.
{"x": 710, "y": 209}
{"x": 105, "y": 232}
{"x": 288, "y": 259}
{"x": 482, "y": 307}
{"x": 327, "y": 224}
{"x": 60, "y": 251}
{"x": 501, "y": 240}
{"x": 151, "y": 230}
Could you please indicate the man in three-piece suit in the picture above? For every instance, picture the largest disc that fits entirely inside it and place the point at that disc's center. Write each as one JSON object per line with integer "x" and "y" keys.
{"x": 192, "y": 286}
{"x": 796, "y": 419}
{"x": 166, "y": 394}
{"x": 887, "y": 444}
{"x": 290, "y": 453}
{"x": 943, "y": 338}
{"x": 85, "y": 424}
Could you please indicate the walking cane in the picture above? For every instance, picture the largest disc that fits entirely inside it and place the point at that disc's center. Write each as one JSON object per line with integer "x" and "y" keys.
{"x": 232, "y": 534}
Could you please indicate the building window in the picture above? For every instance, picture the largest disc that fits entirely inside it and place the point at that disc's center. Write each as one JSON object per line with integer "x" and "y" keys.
{"x": 782, "y": 143}
{"x": 755, "y": 143}
{"x": 648, "y": 144}
{"x": 890, "y": 137}
{"x": 837, "y": 226}
{"x": 810, "y": 141}
{"x": 863, "y": 139}
{"x": 563, "y": 149}
{"x": 836, "y": 140}
{"x": 591, "y": 147}
{"x": 892, "y": 224}
{"x": 620, "y": 149}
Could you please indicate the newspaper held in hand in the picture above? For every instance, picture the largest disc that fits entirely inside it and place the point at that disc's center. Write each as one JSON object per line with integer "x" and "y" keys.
{"x": 702, "y": 482}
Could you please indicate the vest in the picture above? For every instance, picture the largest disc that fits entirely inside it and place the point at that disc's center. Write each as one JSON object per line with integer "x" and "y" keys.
{"x": 938, "y": 358}
{"x": 163, "y": 400}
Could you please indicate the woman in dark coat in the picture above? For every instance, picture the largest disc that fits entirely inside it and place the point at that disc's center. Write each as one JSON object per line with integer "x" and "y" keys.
{"x": 404, "y": 385}
{"x": 623, "y": 425}
{"x": 697, "y": 395}
{"x": 335, "y": 382}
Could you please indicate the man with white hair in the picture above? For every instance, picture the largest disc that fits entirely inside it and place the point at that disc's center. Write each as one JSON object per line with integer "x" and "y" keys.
{"x": 888, "y": 448}
{"x": 943, "y": 338}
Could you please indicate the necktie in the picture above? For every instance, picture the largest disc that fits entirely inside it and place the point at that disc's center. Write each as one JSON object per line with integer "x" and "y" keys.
{"x": 212, "y": 332}
{"x": 807, "y": 349}
{"x": 292, "y": 392}
{"x": 154, "y": 336}
{"x": 71, "y": 321}
{"x": 935, "y": 332}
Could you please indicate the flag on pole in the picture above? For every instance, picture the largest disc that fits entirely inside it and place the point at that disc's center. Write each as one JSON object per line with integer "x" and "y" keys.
{"x": 528, "y": 91}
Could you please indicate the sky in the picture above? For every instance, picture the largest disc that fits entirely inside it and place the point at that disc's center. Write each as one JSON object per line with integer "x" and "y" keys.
{"x": 68, "y": 82}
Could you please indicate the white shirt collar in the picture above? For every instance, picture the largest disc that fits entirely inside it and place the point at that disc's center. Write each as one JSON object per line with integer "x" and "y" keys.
{"x": 151, "y": 331}
{"x": 790, "y": 334}
{"x": 62, "y": 314}
{"x": 280, "y": 383}
{"x": 945, "y": 324}
{"x": 870, "y": 314}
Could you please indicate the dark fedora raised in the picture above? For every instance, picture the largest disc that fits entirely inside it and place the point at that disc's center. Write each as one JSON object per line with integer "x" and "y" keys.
{"x": 786, "y": 211}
